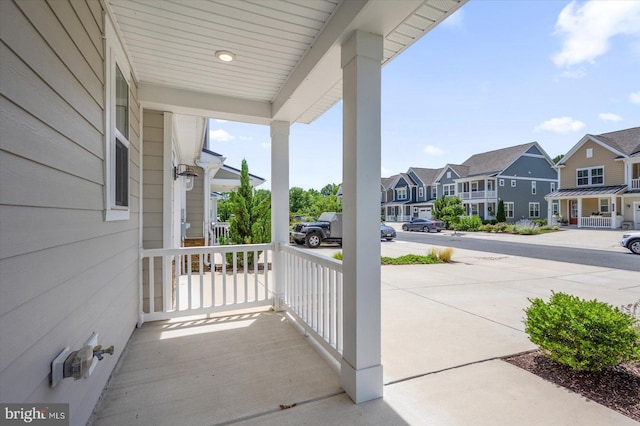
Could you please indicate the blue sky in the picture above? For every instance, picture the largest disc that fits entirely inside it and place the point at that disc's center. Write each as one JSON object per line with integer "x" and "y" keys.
{"x": 494, "y": 74}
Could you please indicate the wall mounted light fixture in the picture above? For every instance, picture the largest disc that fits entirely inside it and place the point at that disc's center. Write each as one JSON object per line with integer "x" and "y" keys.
{"x": 183, "y": 170}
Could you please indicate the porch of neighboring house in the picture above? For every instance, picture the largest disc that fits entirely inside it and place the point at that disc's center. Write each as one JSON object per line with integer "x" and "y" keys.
{"x": 605, "y": 207}
{"x": 398, "y": 213}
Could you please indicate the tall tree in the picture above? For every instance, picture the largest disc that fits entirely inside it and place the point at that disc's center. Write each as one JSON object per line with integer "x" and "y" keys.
{"x": 252, "y": 221}
{"x": 500, "y": 214}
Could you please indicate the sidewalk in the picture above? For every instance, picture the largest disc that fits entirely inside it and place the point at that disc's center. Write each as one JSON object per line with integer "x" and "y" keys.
{"x": 597, "y": 239}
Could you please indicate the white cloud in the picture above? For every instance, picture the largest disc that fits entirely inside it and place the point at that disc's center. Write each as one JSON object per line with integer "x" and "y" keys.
{"x": 560, "y": 125}
{"x": 220, "y": 135}
{"x": 265, "y": 145}
{"x": 634, "y": 98}
{"x": 587, "y": 28}
{"x": 609, "y": 116}
{"x": 245, "y": 138}
{"x": 432, "y": 150}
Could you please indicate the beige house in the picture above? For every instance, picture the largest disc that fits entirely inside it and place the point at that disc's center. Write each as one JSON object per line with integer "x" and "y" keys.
{"x": 600, "y": 182}
{"x": 103, "y": 113}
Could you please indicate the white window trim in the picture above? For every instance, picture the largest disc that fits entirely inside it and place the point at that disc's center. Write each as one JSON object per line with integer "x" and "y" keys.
{"x": 555, "y": 207}
{"x": 509, "y": 212}
{"x": 446, "y": 189}
{"x": 114, "y": 54}
{"x": 401, "y": 193}
{"x": 553, "y": 187}
{"x": 589, "y": 152}
{"x": 590, "y": 176}
{"x": 500, "y": 182}
{"x": 434, "y": 192}
{"x": 538, "y": 209}
{"x": 533, "y": 187}
{"x": 600, "y": 200}
{"x": 421, "y": 191}
{"x": 513, "y": 183}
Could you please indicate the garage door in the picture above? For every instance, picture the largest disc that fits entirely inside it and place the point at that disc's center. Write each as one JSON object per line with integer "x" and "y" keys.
{"x": 424, "y": 213}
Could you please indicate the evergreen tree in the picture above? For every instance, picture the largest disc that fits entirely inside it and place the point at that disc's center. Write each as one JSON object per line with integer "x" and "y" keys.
{"x": 252, "y": 221}
{"x": 500, "y": 214}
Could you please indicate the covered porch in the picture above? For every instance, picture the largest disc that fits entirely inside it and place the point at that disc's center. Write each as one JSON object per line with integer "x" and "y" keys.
{"x": 281, "y": 82}
{"x": 597, "y": 208}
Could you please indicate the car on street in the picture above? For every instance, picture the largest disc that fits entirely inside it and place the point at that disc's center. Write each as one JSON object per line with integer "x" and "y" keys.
{"x": 631, "y": 241}
{"x": 424, "y": 225}
{"x": 387, "y": 232}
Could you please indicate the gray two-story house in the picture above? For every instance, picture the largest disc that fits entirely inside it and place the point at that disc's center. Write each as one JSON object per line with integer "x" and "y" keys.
{"x": 519, "y": 175}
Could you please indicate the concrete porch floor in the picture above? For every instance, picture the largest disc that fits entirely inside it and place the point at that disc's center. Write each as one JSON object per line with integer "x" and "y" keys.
{"x": 444, "y": 328}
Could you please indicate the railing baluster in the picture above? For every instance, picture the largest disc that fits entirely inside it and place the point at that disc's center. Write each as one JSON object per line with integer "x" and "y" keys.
{"x": 339, "y": 313}
{"x": 152, "y": 284}
{"x": 177, "y": 281}
{"x": 245, "y": 260}
{"x": 235, "y": 277}
{"x": 256, "y": 265}
{"x": 224, "y": 278}
{"x": 332, "y": 308}
{"x": 201, "y": 266}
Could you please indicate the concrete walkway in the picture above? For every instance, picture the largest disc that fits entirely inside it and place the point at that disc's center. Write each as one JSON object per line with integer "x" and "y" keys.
{"x": 444, "y": 329}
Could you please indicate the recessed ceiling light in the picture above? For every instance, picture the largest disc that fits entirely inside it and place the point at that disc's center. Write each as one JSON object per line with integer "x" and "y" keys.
{"x": 225, "y": 55}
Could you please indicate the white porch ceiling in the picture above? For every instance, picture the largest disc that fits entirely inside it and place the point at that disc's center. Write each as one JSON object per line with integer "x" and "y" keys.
{"x": 288, "y": 51}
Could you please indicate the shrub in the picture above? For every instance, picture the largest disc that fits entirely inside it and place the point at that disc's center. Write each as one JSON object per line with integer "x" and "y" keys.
{"x": 540, "y": 222}
{"x": 338, "y": 256}
{"x": 468, "y": 223}
{"x": 488, "y": 228}
{"x": 501, "y": 214}
{"x": 409, "y": 259}
{"x": 585, "y": 335}
{"x": 501, "y": 227}
{"x": 445, "y": 254}
{"x": 526, "y": 227}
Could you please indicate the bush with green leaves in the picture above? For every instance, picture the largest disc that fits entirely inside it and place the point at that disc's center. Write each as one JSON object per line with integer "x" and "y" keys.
{"x": 468, "y": 223}
{"x": 526, "y": 227}
{"x": 583, "y": 334}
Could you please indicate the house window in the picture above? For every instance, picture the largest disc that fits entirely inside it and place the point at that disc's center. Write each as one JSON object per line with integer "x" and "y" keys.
{"x": 589, "y": 152}
{"x": 474, "y": 209}
{"x": 513, "y": 183}
{"x": 434, "y": 192}
{"x": 421, "y": 192}
{"x": 604, "y": 205}
{"x": 533, "y": 187}
{"x": 553, "y": 186}
{"x": 555, "y": 207}
{"x": 474, "y": 186}
{"x": 501, "y": 182}
{"x": 448, "y": 175}
{"x": 401, "y": 193}
{"x": 117, "y": 144}
{"x": 534, "y": 210}
{"x": 449, "y": 189}
{"x": 508, "y": 210}
{"x": 590, "y": 176}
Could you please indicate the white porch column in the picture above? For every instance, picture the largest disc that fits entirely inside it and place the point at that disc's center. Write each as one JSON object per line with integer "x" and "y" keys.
{"x": 279, "y": 203}
{"x": 361, "y": 360}
{"x": 614, "y": 212}
{"x": 579, "y": 212}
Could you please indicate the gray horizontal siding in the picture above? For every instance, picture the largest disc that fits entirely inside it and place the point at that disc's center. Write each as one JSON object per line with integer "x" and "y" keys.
{"x": 64, "y": 271}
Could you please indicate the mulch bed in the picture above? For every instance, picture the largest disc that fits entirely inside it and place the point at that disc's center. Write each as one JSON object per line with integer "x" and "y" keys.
{"x": 617, "y": 387}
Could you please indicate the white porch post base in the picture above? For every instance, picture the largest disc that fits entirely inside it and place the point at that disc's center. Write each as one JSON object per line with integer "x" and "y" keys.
{"x": 361, "y": 385}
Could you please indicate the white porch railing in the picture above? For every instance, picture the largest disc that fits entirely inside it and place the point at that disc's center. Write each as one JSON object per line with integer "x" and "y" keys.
{"x": 635, "y": 183}
{"x": 313, "y": 296}
{"x": 198, "y": 280}
{"x": 219, "y": 230}
{"x": 473, "y": 195}
{"x": 595, "y": 222}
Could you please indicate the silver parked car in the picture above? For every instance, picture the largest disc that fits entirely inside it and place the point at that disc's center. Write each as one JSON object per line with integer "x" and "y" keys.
{"x": 631, "y": 241}
{"x": 387, "y": 232}
{"x": 424, "y": 225}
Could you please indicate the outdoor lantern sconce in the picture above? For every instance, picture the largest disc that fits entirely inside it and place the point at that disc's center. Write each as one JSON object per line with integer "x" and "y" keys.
{"x": 183, "y": 170}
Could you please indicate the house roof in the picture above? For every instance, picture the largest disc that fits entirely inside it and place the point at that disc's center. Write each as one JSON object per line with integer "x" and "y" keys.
{"x": 625, "y": 141}
{"x": 592, "y": 191}
{"x": 427, "y": 176}
{"x": 404, "y": 176}
{"x": 387, "y": 181}
{"x": 493, "y": 162}
{"x": 458, "y": 169}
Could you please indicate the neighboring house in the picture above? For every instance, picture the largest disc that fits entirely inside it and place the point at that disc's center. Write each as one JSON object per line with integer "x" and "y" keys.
{"x": 386, "y": 194}
{"x": 519, "y": 175}
{"x": 600, "y": 181}
{"x": 426, "y": 191}
{"x": 402, "y": 192}
{"x": 103, "y": 109}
